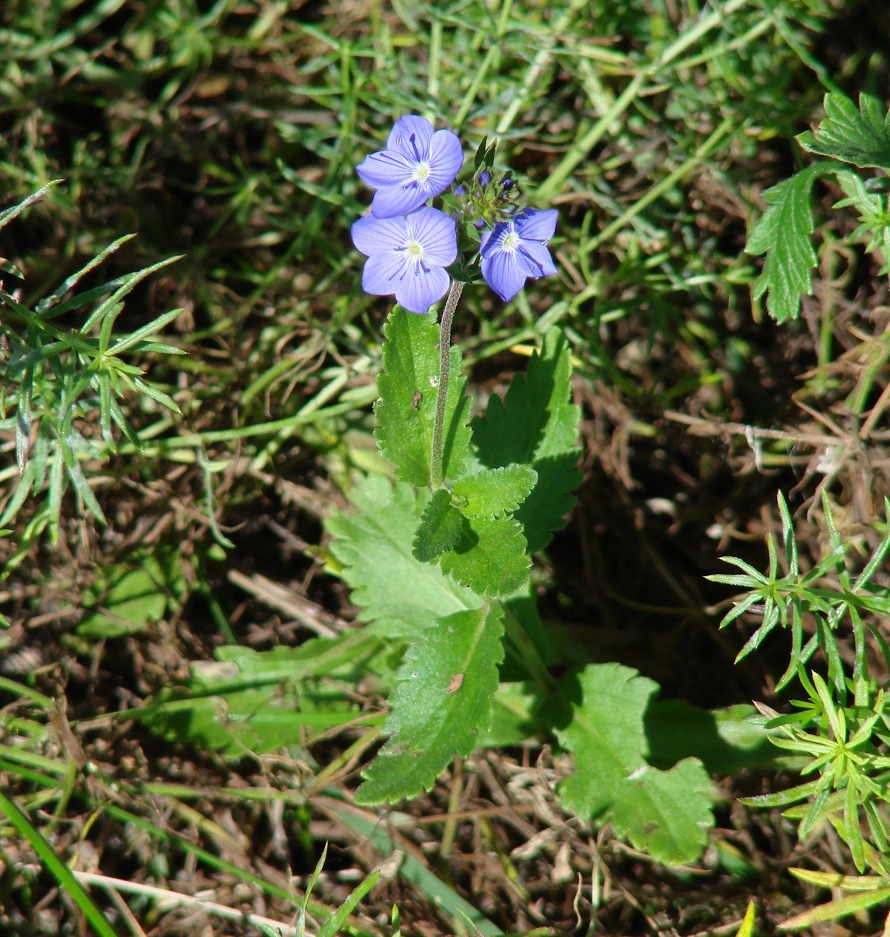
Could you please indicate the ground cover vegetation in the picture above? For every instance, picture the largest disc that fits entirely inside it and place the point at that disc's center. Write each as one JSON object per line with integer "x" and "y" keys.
{"x": 285, "y": 651}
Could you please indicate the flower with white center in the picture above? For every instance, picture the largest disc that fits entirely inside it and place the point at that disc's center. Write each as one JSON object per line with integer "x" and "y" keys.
{"x": 515, "y": 250}
{"x": 416, "y": 165}
{"x": 407, "y": 256}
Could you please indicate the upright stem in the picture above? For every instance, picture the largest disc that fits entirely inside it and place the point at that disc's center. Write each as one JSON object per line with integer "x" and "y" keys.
{"x": 436, "y": 468}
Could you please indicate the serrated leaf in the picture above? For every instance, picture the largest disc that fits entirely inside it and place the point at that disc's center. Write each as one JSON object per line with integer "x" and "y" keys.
{"x": 535, "y": 425}
{"x": 441, "y": 528}
{"x": 859, "y": 137}
{"x": 493, "y": 560}
{"x": 374, "y": 547}
{"x": 783, "y": 234}
{"x": 668, "y": 812}
{"x": 407, "y": 404}
{"x": 442, "y": 704}
{"x": 495, "y": 492}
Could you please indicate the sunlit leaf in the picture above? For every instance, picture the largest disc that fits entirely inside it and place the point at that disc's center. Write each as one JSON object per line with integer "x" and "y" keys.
{"x": 441, "y": 706}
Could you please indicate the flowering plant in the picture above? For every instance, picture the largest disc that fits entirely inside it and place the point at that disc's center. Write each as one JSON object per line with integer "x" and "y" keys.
{"x": 409, "y": 245}
{"x": 440, "y": 559}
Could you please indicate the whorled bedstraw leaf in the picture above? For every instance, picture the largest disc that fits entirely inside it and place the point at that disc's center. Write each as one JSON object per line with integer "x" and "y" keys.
{"x": 874, "y": 215}
{"x": 783, "y": 234}
{"x": 668, "y": 813}
{"x": 407, "y": 404}
{"x": 491, "y": 559}
{"x": 859, "y": 137}
{"x": 536, "y": 425}
{"x": 441, "y": 528}
{"x": 374, "y": 548}
{"x": 442, "y": 704}
{"x": 494, "y": 492}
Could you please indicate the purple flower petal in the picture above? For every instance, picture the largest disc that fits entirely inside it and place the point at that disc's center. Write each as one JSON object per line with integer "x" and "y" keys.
{"x": 437, "y": 232}
{"x": 537, "y": 225}
{"x": 382, "y": 273}
{"x": 386, "y": 168}
{"x": 535, "y": 259}
{"x": 502, "y": 273}
{"x": 373, "y": 235}
{"x": 417, "y": 290}
{"x": 398, "y": 200}
{"x": 411, "y": 137}
{"x": 446, "y": 159}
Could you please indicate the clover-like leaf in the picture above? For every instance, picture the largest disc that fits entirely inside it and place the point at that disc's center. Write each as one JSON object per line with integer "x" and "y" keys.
{"x": 668, "y": 812}
{"x": 859, "y": 137}
{"x": 441, "y": 706}
{"x": 407, "y": 404}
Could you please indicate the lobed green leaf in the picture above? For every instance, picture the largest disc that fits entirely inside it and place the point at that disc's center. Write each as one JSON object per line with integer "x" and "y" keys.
{"x": 375, "y": 548}
{"x": 495, "y": 492}
{"x": 859, "y": 137}
{"x": 492, "y": 559}
{"x": 783, "y": 234}
{"x": 441, "y": 528}
{"x": 668, "y": 812}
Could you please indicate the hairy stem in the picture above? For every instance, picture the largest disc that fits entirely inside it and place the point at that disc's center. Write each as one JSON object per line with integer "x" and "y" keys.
{"x": 436, "y": 468}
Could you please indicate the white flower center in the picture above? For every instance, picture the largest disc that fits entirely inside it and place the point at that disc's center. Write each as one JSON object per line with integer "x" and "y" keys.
{"x": 414, "y": 250}
{"x": 511, "y": 241}
{"x": 421, "y": 172}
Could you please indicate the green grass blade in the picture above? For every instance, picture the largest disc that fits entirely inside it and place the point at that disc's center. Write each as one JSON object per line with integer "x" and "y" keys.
{"x": 56, "y": 866}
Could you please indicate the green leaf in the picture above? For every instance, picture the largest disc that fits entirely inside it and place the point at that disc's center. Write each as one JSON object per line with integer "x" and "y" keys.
{"x": 874, "y": 215}
{"x": 441, "y": 706}
{"x": 9, "y": 214}
{"x": 859, "y": 137}
{"x": 747, "y": 928}
{"x": 55, "y": 864}
{"x": 513, "y": 715}
{"x": 535, "y": 425}
{"x": 260, "y": 701}
{"x": 667, "y": 813}
{"x": 492, "y": 560}
{"x": 726, "y": 740}
{"x": 441, "y": 528}
{"x": 374, "y": 547}
{"x": 783, "y": 234}
{"x": 495, "y": 492}
{"x": 407, "y": 404}
{"x": 129, "y": 599}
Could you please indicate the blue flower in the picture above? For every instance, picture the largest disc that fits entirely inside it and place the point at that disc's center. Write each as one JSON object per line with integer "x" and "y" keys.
{"x": 407, "y": 256}
{"x": 516, "y": 249}
{"x": 416, "y": 165}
